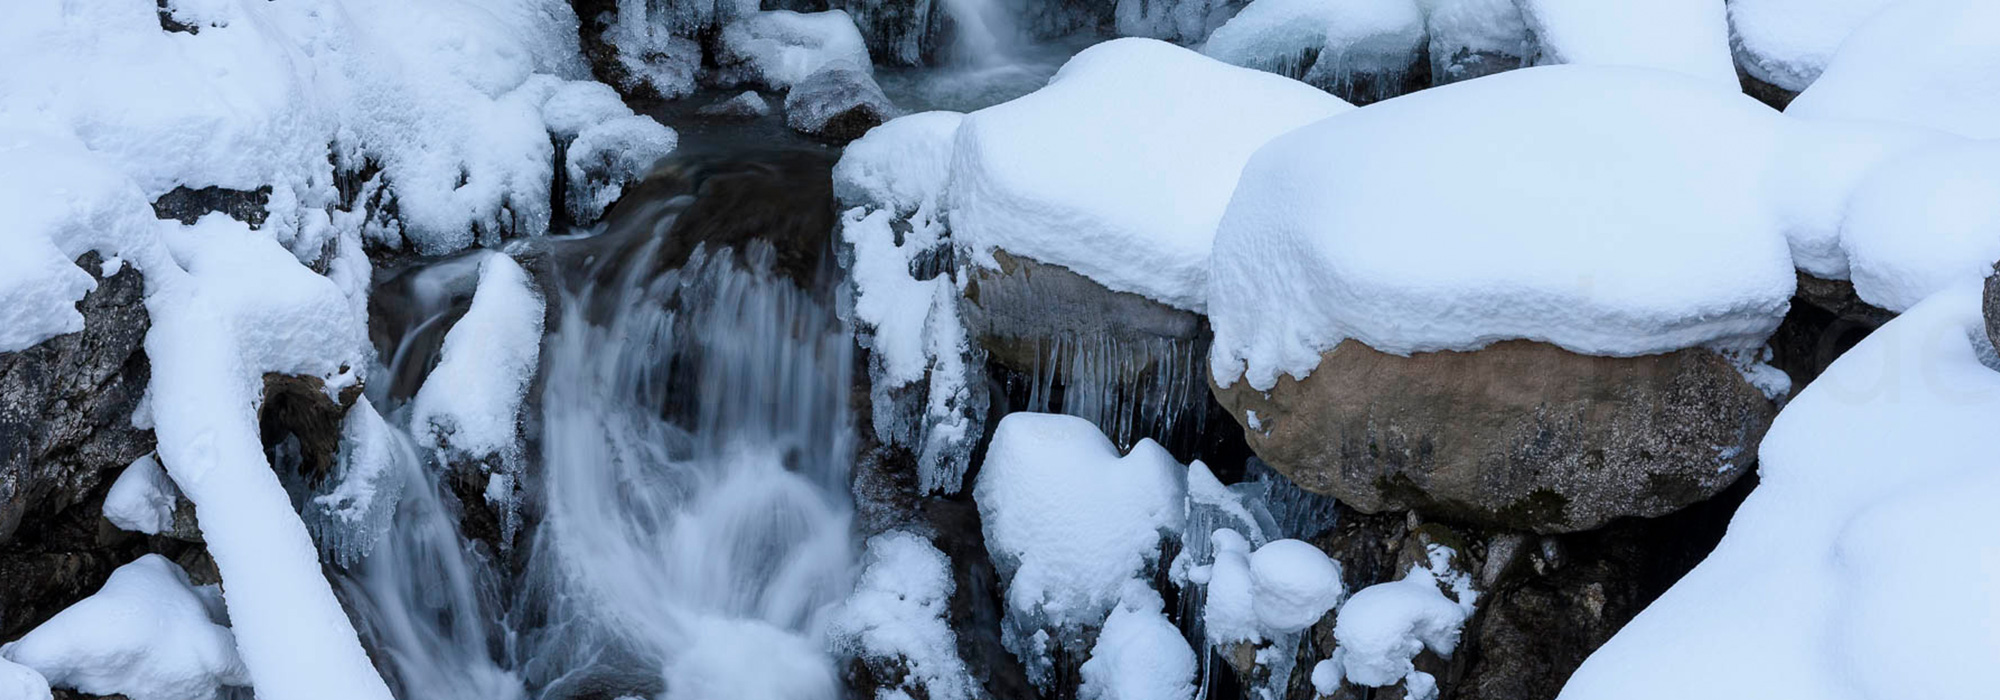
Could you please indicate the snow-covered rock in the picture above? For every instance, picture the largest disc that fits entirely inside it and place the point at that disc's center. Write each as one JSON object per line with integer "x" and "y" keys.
{"x": 838, "y": 102}
{"x": 1924, "y": 223}
{"x": 1139, "y": 654}
{"x": 1862, "y": 548}
{"x": 1687, "y": 36}
{"x": 779, "y": 48}
{"x": 1923, "y": 62}
{"x": 1473, "y": 38}
{"x": 471, "y": 402}
{"x": 1788, "y": 42}
{"x": 898, "y": 617}
{"x": 148, "y": 634}
{"x": 1068, "y": 521}
{"x": 1179, "y": 21}
{"x": 1120, "y": 168}
{"x": 142, "y": 499}
{"x": 1294, "y": 583}
{"x": 1363, "y": 50}
{"x": 1383, "y": 627}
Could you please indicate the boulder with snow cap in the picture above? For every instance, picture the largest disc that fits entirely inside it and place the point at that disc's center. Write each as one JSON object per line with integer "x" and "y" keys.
{"x": 1362, "y": 51}
{"x": 1523, "y": 352}
{"x": 839, "y": 103}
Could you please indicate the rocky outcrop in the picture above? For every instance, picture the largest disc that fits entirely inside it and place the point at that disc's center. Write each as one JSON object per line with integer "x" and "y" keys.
{"x": 837, "y": 103}
{"x": 1993, "y": 306}
{"x": 1519, "y": 435}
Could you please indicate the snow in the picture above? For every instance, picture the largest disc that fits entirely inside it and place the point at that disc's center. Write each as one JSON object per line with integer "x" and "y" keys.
{"x": 900, "y": 610}
{"x": 1338, "y": 230}
{"x": 1120, "y": 168}
{"x": 1470, "y": 27}
{"x": 1788, "y": 42}
{"x": 1295, "y": 584}
{"x": 471, "y": 402}
{"x": 142, "y": 499}
{"x": 1343, "y": 38}
{"x": 1139, "y": 655}
{"x": 1384, "y": 626}
{"x": 70, "y": 202}
{"x": 1863, "y": 548}
{"x": 1229, "y": 613}
{"x": 19, "y": 682}
{"x": 901, "y": 165}
{"x": 1068, "y": 521}
{"x": 1925, "y": 222}
{"x": 1686, "y": 36}
{"x": 608, "y": 156}
{"x": 1820, "y": 168}
{"x": 361, "y": 506}
{"x": 148, "y": 635}
{"x": 779, "y": 48}
{"x": 1926, "y": 63}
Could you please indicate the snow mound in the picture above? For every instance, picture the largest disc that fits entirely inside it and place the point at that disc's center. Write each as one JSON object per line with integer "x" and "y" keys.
{"x": 779, "y": 48}
{"x": 19, "y": 682}
{"x": 1924, "y": 223}
{"x": 471, "y": 402}
{"x": 1611, "y": 211}
{"x": 1139, "y": 655}
{"x": 1327, "y": 44}
{"x": 900, "y": 165}
{"x": 62, "y": 201}
{"x": 1384, "y": 626}
{"x": 147, "y": 635}
{"x": 1788, "y": 42}
{"x": 1068, "y": 521}
{"x": 1685, "y": 36}
{"x": 1923, "y": 62}
{"x": 1863, "y": 546}
{"x": 142, "y": 499}
{"x": 1295, "y": 584}
{"x": 900, "y": 610}
{"x": 1120, "y": 168}
{"x": 1820, "y": 169}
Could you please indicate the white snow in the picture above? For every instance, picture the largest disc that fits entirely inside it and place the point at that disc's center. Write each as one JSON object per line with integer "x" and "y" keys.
{"x": 1819, "y": 170}
{"x": 1344, "y": 38}
{"x": 1229, "y": 613}
{"x": 1921, "y": 62}
{"x": 142, "y": 499}
{"x": 1068, "y": 520}
{"x": 1788, "y": 42}
{"x": 1687, "y": 36}
{"x": 62, "y": 201}
{"x": 148, "y": 635}
{"x": 900, "y": 610}
{"x": 1611, "y": 211}
{"x": 1294, "y": 584}
{"x": 609, "y": 147}
{"x": 779, "y": 48}
{"x": 1139, "y": 655}
{"x": 1384, "y": 626}
{"x": 1925, "y": 222}
{"x": 1860, "y": 567}
{"x": 1120, "y": 168}
{"x": 19, "y": 682}
{"x": 471, "y": 402}
{"x": 901, "y": 165}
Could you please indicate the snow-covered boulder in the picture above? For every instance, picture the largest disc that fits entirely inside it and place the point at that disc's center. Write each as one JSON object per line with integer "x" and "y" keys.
{"x": 148, "y": 635}
{"x": 838, "y": 102}
{"x": 144, "y": 499}
{"x": 1068, "y": 522}
{"x": 1922, "y": 62}
{"x": 21, "y": 682}
{"x": 1384, "y": 627}
{"x": 1863, "y": 547}
{"x": 1362, "y": 50}
{"x": 1786, "y": 43}
{"x": 1341, "y": 264}
{"x": 1686, "y": 36}
{"x": 1139, "y": 655}
{"x": 1472, "y": 38}
{"x": 780, "y": 48}
{"x": 896, "y": 623}
{"x": 1923, "y": 223}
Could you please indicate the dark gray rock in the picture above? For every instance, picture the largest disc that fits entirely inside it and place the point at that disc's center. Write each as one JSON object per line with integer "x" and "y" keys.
{"x": 838, "y": 103}
{"x": 189, "y": 205}
{"x": 1518, "y": 435}
{"x": 66, "y": 404}
{"x": 1993, "y": 306}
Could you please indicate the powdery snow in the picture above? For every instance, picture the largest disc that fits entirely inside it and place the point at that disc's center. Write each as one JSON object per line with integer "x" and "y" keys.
{"x": 1924, "y": 223}
{"x": 1343, "y": 39}
{"x": 1788, "y": 42}
{"x": 1139, "y": 654}
{"x": 1686, "y": 36}
{"x": 1384, "y": 626}
{"x": 1859, "y": 567}
{"x": 1611, "y": 211}
{"x": 471, "y": 401}
{"x": 1068, "y": 521}
{"x": 62, "y": 201}
{"x": 1927, "y": 63}
{"x": 147, "y": 635}
{"x": 900, "y": 610}
{"x": 1120, "y": 168}
{"x": 142, "y": 499}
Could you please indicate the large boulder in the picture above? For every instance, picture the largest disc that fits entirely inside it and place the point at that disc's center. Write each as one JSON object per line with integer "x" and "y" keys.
{"x": 1520, "y": 434}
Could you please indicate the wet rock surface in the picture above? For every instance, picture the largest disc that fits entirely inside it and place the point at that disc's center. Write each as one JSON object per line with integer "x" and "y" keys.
{"x": 1518, "y": 435}
{"x": 838, "y": 103}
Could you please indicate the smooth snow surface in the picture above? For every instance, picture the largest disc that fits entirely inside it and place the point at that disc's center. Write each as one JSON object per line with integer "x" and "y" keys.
{"x": 148, "y": 635}
{"x": 19, "y": 682}
{"x": 1294, "y": 583}
{"x": 1859, "y": 568}
{"x": 1788, "y": 42}
{"x": 779, "y": 48}
{"x": 472, "y": 400}
{"x": 1068, "y": 521}
{"x": 1686, "y": 36}
{"x": 1611, "y": 211}
{"x": 1922, "y": 62}
{"x": 1924, "y": 223}
{"x": 1818, "y": 174}
{"x": 899, "y": 610}
{"x": 1120, "y": 168}
{"x": 142, "y": 499}
{"x": 1139, "y": 655}
{"x": 1344, "y": 38}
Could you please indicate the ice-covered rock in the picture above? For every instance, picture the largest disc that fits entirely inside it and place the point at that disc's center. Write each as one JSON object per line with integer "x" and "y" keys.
{"x": 745, "y": 105}
{"x": 1120, "y": 168}
{"x": 1923, "y": 223}
{"x": 603, "y": 146}
{"x": 1472, "y": 38}
{"x": 1788, "y": 42}
{"x": 896, "y": 621}
{"x": 148, "y": 635}
{"x": 1362, "y": 50}
{"x": 838, "y": 102}
{"x": 1684, "y": 36}
{"x": 1925, "y": 63}
{"x": 1068, "y": 521}
{"x": 1180, "y": 21}
{"x": 1139, "y": 655}
{"x": 1852, "y": 552}
{"x": 780, "y": 48}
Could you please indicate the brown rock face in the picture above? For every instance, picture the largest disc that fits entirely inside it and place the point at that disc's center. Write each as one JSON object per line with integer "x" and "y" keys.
{"x": 1519, "y": 435}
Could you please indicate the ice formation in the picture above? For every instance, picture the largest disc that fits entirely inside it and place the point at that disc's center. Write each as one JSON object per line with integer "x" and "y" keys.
{"x": 148, "y": 634}
{"x": 142, "y": 499}
{"x": 1691, "y": 38}
{"x": 779, "y": 48}
{"x": 1852, "y": 552}
{"x": 1068, "y": 521}
{"x": 1471, "y": 38}
{"x": 1556, "y": 239}
{"x": 1926, "y": 63}
{"x": 1331, "y": 45}
{"x": 899, "y": 612}
{"x": 367, "y": 486}
{"x": 1120, "y": 168}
